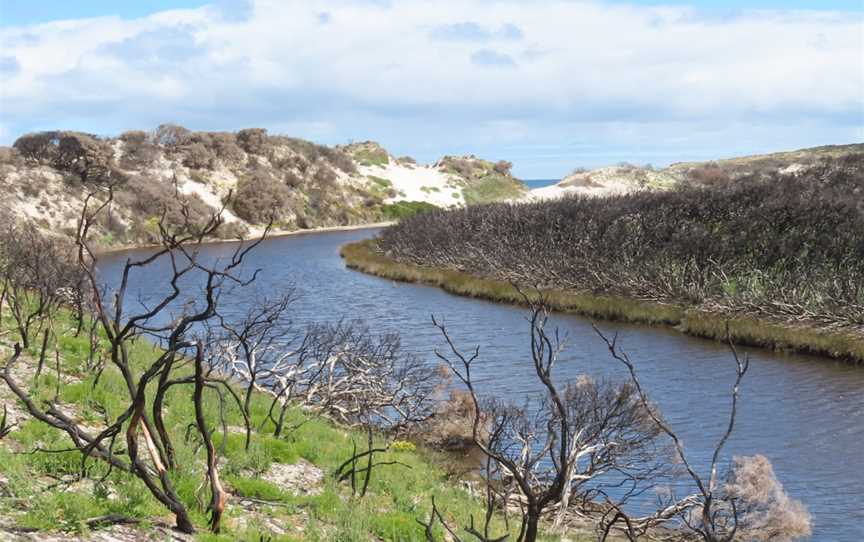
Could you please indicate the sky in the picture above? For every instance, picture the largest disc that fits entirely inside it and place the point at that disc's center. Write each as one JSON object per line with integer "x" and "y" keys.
{"x": 550, "y": 85}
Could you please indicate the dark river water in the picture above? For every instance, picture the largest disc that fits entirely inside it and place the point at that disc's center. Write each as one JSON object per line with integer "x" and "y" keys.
{"x": 805, "y": 414}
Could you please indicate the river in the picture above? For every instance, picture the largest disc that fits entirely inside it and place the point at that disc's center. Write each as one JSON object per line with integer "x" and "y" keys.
{"x": 805, "y": 414}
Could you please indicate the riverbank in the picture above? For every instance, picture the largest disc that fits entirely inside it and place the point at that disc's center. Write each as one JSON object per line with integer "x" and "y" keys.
{"x": 255, "y": 234}
{"x": 281, "y": 488}
{"x": 362, "y": 256}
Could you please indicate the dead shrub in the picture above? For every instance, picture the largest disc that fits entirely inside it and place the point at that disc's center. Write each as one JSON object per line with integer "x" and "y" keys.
{"x": 767, "y": 513}
{"x": 450, "y": 428}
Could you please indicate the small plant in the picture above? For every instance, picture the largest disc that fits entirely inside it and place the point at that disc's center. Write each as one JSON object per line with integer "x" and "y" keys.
{"x": 5, "y": 427}
{"x": 403, "y": 446}
{"x": 380, "y": 181}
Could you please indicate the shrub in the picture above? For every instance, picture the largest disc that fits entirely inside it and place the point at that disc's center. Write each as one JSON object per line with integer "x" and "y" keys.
{"x": 312, "y": 152}
{"x": 253, "y": 140}
{"x": 503, "y": 167}
{"x": 148, "y": 200}
{"x": 39, "y": 147}
{"x": 138, "y": 150}
{"x": 224, "y": 146}
{"x": 458, "y": 166}
{"x": 452, "y": 426}
{"x": 88, "y": 157}
{"x": 766, "y": 511}
{"x": 197, "y": 156}
{"x": 171, "y": 135}
{"x": 709, "y": 174}
{"x": 260, "y": 198}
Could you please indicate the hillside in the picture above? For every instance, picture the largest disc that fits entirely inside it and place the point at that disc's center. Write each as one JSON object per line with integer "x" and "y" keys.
{"x": 258, "y": 176}
{"x": 627, "y": 178}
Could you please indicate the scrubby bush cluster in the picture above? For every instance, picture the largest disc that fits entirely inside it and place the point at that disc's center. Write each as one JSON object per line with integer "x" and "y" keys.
{"x": 149, "y": 202}
{"x": 483, "y": 181}
{"x": 85, "y": 156}
{"x": 708, "y": 174}
{"x": 312, "y": 152}
{"x": 261, "y": 198}
{"x": 785, "y": 246}
{"x": 287, "y": 181}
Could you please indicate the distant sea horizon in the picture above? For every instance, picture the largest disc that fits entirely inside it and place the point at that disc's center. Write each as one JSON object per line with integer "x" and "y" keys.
{"x": 539, "y": 183}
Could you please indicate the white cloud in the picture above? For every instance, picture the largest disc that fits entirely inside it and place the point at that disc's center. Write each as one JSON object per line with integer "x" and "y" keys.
{"x": 371, "y": 69}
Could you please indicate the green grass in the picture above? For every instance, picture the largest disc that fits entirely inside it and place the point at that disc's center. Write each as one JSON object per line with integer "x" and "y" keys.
{"x": 405, "y": 209}
{"x": 370, "y": 157}
{"x": 380, "y": 181}
{"x": 397, "y": 495}
{"x": 492, "y": 188}
{"x": 362, "y": 256}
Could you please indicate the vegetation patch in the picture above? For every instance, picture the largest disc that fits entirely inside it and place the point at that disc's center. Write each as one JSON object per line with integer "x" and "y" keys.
{"x": 492, "y": 188}
{"x": 783, "y": 248}
{"x": 380, "y": 181}
{"x": 366, "y": 256}
{"x": 483, "y": 181}
{"x": 406, "y": 209}
{"x": 370, "y": 155}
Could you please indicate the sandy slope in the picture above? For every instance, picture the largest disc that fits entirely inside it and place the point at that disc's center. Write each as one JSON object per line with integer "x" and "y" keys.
{"x": 607, "y": 181}
{"x": 418, "y": 183}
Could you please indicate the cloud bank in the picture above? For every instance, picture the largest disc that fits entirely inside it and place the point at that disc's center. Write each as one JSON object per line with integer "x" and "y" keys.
{"x": 548, "y": 84}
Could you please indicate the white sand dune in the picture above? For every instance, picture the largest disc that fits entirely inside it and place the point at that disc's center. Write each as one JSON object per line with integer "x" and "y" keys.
{"x": 418, "y": 183}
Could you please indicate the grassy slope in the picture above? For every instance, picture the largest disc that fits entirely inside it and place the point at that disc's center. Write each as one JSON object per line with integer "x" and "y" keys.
{"x": 363, "y": 257}
{"x": 397, "y": 495}
{"x": 492, "y": 188}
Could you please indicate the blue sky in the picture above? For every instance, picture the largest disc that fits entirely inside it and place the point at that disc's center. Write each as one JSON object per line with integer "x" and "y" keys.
{"x": 548, "y": 84}
{"x": 20, "y": 12}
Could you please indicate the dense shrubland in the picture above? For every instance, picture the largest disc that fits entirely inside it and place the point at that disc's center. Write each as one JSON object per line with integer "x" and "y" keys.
{"x": 294, "y": 183}
{"x": 788, "y": 247}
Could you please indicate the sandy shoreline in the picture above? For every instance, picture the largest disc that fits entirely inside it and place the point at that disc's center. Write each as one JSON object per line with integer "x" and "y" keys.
{"x": 254, "y": 235}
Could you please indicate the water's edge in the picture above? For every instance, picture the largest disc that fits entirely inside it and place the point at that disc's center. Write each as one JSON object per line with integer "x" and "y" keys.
{"x": 805, "y": 414}
{"x": 361, "y": 256}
